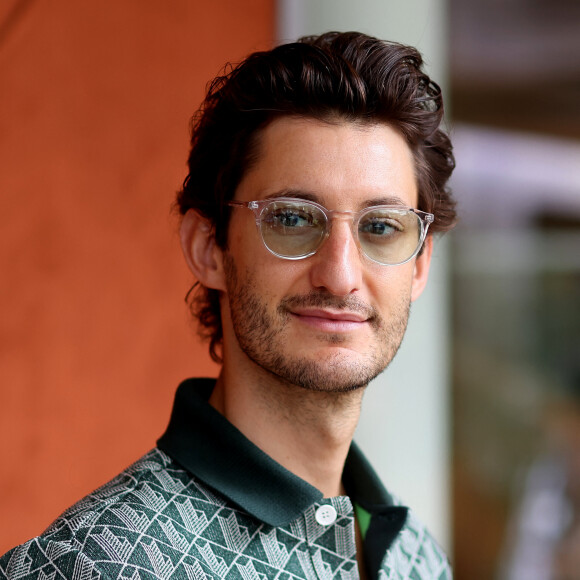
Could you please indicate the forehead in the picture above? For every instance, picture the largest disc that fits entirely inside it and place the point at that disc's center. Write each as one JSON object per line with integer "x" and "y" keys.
{"x": 340, "y": 164}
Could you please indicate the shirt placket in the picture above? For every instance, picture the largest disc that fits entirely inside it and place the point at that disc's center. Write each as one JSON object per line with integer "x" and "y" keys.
{"x": 330, "y": 550}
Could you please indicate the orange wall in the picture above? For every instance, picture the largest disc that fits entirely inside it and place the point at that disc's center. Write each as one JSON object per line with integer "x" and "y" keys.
{"x": 95, "y": 100}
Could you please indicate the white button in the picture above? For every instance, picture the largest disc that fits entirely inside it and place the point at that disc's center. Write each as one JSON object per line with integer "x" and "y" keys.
{"x": 325, "y": 515}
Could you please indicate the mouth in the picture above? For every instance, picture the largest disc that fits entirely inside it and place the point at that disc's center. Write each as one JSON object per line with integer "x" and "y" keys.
{"x": 328, "y": 320}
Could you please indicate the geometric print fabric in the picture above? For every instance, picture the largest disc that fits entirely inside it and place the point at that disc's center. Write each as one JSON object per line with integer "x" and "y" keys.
{"x": 156, "y": 521}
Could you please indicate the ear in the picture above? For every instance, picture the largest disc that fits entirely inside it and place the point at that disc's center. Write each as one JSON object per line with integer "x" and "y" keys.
{"x": 203, "y": 256}
{"x": 421, "y": 271}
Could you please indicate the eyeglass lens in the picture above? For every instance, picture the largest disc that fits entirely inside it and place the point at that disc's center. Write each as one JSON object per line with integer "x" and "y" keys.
{"x": 295, "y": 229}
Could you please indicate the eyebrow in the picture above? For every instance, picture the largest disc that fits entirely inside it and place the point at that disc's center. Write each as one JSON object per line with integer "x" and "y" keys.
{"x": 389, "y": 200}
{"x": 308, "y": 196}
{"x": 295, "y": 194}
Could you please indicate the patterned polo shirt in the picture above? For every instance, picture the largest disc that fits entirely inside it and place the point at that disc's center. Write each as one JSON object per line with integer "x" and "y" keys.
{"x": 206, "y": 503}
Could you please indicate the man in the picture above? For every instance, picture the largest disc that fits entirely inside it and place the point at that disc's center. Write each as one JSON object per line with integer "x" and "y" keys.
{"x": 316, "y": 177}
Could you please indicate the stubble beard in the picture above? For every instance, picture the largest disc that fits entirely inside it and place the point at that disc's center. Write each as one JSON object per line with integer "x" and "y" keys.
{"x": 262, "y": 337}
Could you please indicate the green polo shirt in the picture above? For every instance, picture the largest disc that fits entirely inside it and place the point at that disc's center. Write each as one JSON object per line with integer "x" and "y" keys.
{"x": 206, "y": 503}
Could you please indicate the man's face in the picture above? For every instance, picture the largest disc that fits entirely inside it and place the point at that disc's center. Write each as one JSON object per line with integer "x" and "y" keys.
{"x": 332, "y": 321}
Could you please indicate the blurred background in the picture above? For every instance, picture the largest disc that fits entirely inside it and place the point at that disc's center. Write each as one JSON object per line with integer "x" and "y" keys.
{"x": 515, "y": 99}
{"x": 95, "y": 101}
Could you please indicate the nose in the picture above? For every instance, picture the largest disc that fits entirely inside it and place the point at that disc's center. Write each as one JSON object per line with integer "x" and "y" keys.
{"x": 336, "y": 266}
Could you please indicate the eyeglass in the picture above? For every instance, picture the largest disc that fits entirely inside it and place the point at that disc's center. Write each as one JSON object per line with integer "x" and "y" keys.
{"x": 294, "y": 228}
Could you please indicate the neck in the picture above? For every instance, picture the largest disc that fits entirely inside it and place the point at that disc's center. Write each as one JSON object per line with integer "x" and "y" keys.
{"x": 307, "y": 432}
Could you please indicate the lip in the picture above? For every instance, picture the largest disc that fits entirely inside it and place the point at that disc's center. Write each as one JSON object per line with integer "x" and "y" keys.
{"x": 330, "y": 320}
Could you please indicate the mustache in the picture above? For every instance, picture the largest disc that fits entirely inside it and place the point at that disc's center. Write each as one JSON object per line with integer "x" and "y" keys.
{"x": 325, "y": 300}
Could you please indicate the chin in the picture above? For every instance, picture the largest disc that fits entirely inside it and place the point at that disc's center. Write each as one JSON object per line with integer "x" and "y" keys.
{"x": 331, "y": 372}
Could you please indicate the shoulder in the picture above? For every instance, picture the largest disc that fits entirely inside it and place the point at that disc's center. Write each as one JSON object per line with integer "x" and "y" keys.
{"x": 415, "y": 554}
{"x": 113, "y": 530}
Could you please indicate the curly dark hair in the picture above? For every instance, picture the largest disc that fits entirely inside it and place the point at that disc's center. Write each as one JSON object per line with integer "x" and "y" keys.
{"x": 347, "y": 76}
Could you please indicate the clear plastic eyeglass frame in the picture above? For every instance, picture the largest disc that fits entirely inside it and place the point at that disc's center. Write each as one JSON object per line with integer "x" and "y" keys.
{"x": 259, "y": 208}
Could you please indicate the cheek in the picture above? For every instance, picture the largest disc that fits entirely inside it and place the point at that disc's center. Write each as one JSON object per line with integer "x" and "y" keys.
{"x": 278, "y": 278}
{"x": 240, "y": 234}
{"x": 391, "y": 284}
{"x": 246, "y": 251}
{"x": 263, "y": 273}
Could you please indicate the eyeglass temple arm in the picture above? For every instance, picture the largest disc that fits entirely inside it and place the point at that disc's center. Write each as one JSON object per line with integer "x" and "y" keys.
{"x": 254, "y": 206}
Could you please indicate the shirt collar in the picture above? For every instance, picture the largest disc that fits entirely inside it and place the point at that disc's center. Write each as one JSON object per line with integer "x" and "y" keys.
{"x": 205, "y": 443}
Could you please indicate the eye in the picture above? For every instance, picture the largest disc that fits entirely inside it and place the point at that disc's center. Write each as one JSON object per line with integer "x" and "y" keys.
{"x": 380, "y": 226}
{"x": 290, "y": 218}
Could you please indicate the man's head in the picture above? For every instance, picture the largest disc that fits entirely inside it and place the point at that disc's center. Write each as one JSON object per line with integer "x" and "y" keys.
{"x": 335, "y": 79}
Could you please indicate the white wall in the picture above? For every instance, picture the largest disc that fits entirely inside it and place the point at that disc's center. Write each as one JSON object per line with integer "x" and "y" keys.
{"x": 405, "y": 423}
